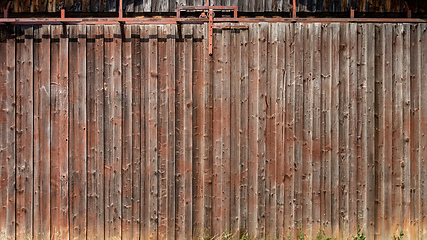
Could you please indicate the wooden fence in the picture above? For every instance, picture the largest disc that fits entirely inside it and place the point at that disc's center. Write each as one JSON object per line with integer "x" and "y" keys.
{"x": 135, "y": 132}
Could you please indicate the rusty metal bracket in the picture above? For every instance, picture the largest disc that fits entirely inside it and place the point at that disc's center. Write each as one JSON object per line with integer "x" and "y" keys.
{"x": 211, "y": 15}
{"x": 294, "y": 9}
{"x": 121, "y": 9}
{"x": 351, "y": 13}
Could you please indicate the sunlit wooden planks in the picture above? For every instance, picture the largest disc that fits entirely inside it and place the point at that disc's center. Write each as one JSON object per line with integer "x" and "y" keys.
{"x": 95, "y": 131}
{"x": 24, "y": 132}
{"x": 276, "y": 102}
{"x": 8, "y": 132}
{"x": 59, "y": 133}
{"x": 41, "y": 132}
{"x": 77, "y": 127}
{"x": 113, "y": 125}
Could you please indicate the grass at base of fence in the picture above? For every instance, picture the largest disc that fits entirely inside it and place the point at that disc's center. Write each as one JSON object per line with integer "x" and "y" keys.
{"x": 321, "y": 235}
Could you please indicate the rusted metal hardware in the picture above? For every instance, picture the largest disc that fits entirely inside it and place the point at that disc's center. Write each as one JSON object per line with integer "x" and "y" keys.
{"x": 351, "y": 13}
{"x": 101, "y": 21}
{"x": 121, "y": 9}
{"x": 294, "y": 9}
{"x": 210, "y": 31}
{"x": 179, "y": 9}
{"x": 210, "y": 10}
{"x": 62, "y": 13}
{"x": 6, "y": 9}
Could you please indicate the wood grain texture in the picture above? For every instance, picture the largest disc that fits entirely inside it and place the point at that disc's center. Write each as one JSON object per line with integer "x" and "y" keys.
{"x": 24, "y": 132}
{"x": 77, "y": 127}
{"x": 95, "y": 130}
{"x": 41, "y": 132}
{"x": 138, "y": 142}
{"x": 286, "y": 130}
{"x": 113, "y": 125}
{"x": 8, "y": 132}
{"x": 59, "y": 215}
{"x": 127, "y": 144}
{"x": 184, "y": 154}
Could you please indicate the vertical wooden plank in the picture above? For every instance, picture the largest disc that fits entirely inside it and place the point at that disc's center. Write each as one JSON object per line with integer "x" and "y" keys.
{"x": 423, "y": 136}
{"x": 379, "y": 141}
{"x": 188, "y": 132}
{"x": 260, "y": 5}
{"x": 415, "y": 72}
{"x": 406, "y": 132}
{"x": 180, "y": 137}
{"x": 207, "y": 145}
{"x": 355, "y": 186}
{"x": 225, "y": 131}
{"x": 361, "y": 128}
{"x": 326, "y": 121}
{"x": 217, "y": 178}
{"x": 197, "y": 131}
{"x": 270, "y": 208}
{"x": 77, "y": 127}
{"x": 235, "y": 129}
{"x": 145, "y": 6}
{"x": 170, "y": 84}
{"x": 397, "y": 123}
{"x": 221, "y": 133}
{"x": 298, "y": 127}
{"x": 344, "y": 129}
{"x": 252, "y": 131}
{"x": 95, "y": 128}
{"x": 138, "y": 140}
{"x": 268, "y": 5}
{"x": 145, "y": 161}
{"x": 370, "y": 134}
{"x": 59, "y": 218}
{"x": 379, "y": 109}
{"x": 335, "y": 129}
{"x": 387, "y": 128}
{"x": 262, "y": 116}
{"x": 163, "y": 133}
{"x": 152, "y": 135}
{"x": 316, "y": 131}
{"x": 25, "y": 130}
{"x": 113, "y": 130}
{"x": 289, "y": 101}
{"x": 279, "y": 104}
{"x": 307, "y": 151}
{"x": 160, "y": 5}
{"x": 184, "y": 133}
{"x": 243, "y": 132}
{"x": 7, "y": 131}
{"x": 166, "y": 132}
{"x": 41, "y": 132}
{"x": 127, "y": 145}
{"x": 33, "y": 6}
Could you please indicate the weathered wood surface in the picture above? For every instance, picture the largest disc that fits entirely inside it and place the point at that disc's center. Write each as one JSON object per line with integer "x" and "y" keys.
{"x": 135, "y": 132}
{"x": 140, "y": 6}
